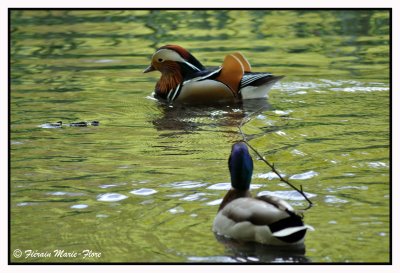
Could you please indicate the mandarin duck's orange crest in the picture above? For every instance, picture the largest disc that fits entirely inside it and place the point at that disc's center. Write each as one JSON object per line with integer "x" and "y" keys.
{"x": 184, "y": 78}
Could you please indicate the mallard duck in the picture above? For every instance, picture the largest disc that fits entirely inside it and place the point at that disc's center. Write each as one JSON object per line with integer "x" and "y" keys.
{"x": 185, "y": 79}
{"x": 262, "y": 219}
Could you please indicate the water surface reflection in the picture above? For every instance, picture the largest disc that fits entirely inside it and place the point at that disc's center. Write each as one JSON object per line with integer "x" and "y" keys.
{"x": 188, "y": 118}
{"x": 259, "y": 253}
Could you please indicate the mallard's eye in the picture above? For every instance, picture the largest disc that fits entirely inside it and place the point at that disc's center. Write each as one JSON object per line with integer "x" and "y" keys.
{"x": 160, "y": 60}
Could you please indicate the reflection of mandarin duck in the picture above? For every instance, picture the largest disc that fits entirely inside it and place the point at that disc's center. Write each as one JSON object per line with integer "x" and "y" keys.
{"x": 185, "y": 79}
{"x": 263, "y": 219}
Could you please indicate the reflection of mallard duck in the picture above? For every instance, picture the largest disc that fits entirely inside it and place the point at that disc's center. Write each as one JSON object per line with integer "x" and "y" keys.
{"x": 185, "y": 79}
{"x": 252, "y": 252}
{"x": 263, "y": 219}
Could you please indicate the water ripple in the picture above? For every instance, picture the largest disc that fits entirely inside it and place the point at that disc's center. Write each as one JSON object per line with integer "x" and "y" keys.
{"x": 176, "y": 210}
{"x": 50, "y": 126}
{"x": 111, "y": 197}
{"x": 79, "y": 206}
{"x": 218, "y": 113}
{"x": 215, "y": 202}
{"x": 303, "y": 176}
{"x": 341, "y": 86}
{"x": 227, "y": 186}
{"x": 361, "y": 89}
{"x": 281, "y": 133}
{"x": 297, "y": 152}
{"x": 195, "y": 196}
{"x": 269, "y": 175}
{"x": 287, "y": 195}
{"x": 62, "y": 193}
{"x": 178, "y": 194}
{"x": 220, "y": 186}
{"x": 212, "y": 259}
{"x": 187, "y": 184}
{"x": 364, "y": 188}
{"x": 24, "y": 204}
{"x": 106, "y": 186}
{"x": 331, "y": 199}
{"x": 377, "y": 164}
{"x": 283, "y": 113}
{"x": 143, "y": 191}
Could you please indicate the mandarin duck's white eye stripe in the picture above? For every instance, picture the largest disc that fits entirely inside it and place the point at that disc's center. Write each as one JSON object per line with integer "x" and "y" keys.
{"x": 170, "y": 55}
{"x": 191, "y": 66}
{"x": 164, "y": 54}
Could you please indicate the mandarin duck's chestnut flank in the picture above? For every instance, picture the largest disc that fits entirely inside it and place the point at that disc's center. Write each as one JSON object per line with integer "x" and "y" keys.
{"x": 263, "y": 219}
{"x": 185, "y": 79}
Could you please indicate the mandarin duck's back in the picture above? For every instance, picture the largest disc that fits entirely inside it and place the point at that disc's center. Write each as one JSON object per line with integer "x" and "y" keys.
{"x": 185, "y": 79}
{"x": 263, "y": 219}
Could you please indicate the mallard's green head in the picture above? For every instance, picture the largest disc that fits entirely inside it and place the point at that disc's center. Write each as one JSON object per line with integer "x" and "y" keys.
{"x": 240, "y": 166}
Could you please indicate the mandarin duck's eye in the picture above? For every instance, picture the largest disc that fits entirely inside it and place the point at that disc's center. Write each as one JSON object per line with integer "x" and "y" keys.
{"x": 160, "y": 60}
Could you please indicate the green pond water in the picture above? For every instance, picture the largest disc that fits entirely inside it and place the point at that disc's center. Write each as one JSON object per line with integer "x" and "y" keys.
{"x": 144, "y": 185}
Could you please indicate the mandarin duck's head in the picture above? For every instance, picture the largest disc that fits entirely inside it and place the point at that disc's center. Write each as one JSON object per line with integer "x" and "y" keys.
{"x": 240, "y": 166}
{"x": 175, "y": 64}
{"x": 173, "y": 59}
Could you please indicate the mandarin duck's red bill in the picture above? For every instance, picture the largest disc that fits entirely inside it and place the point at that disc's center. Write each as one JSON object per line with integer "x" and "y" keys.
{"x": 185, "y": 79}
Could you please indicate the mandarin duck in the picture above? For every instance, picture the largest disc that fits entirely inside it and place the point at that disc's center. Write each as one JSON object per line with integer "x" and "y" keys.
{"x": 263, "y": 219}
{"x": 185, "y": 79}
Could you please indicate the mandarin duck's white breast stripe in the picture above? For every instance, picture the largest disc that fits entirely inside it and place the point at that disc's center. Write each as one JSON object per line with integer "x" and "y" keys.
{"x": 170, "y": 94}
{"x": 173, "y": 94}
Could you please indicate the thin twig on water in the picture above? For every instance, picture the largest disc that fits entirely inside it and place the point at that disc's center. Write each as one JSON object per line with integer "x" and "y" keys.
{"x": 272, "y": 166}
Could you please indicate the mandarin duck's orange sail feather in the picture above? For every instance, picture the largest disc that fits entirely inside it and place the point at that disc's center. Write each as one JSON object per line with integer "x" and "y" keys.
{"x": 231, "y": 73}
